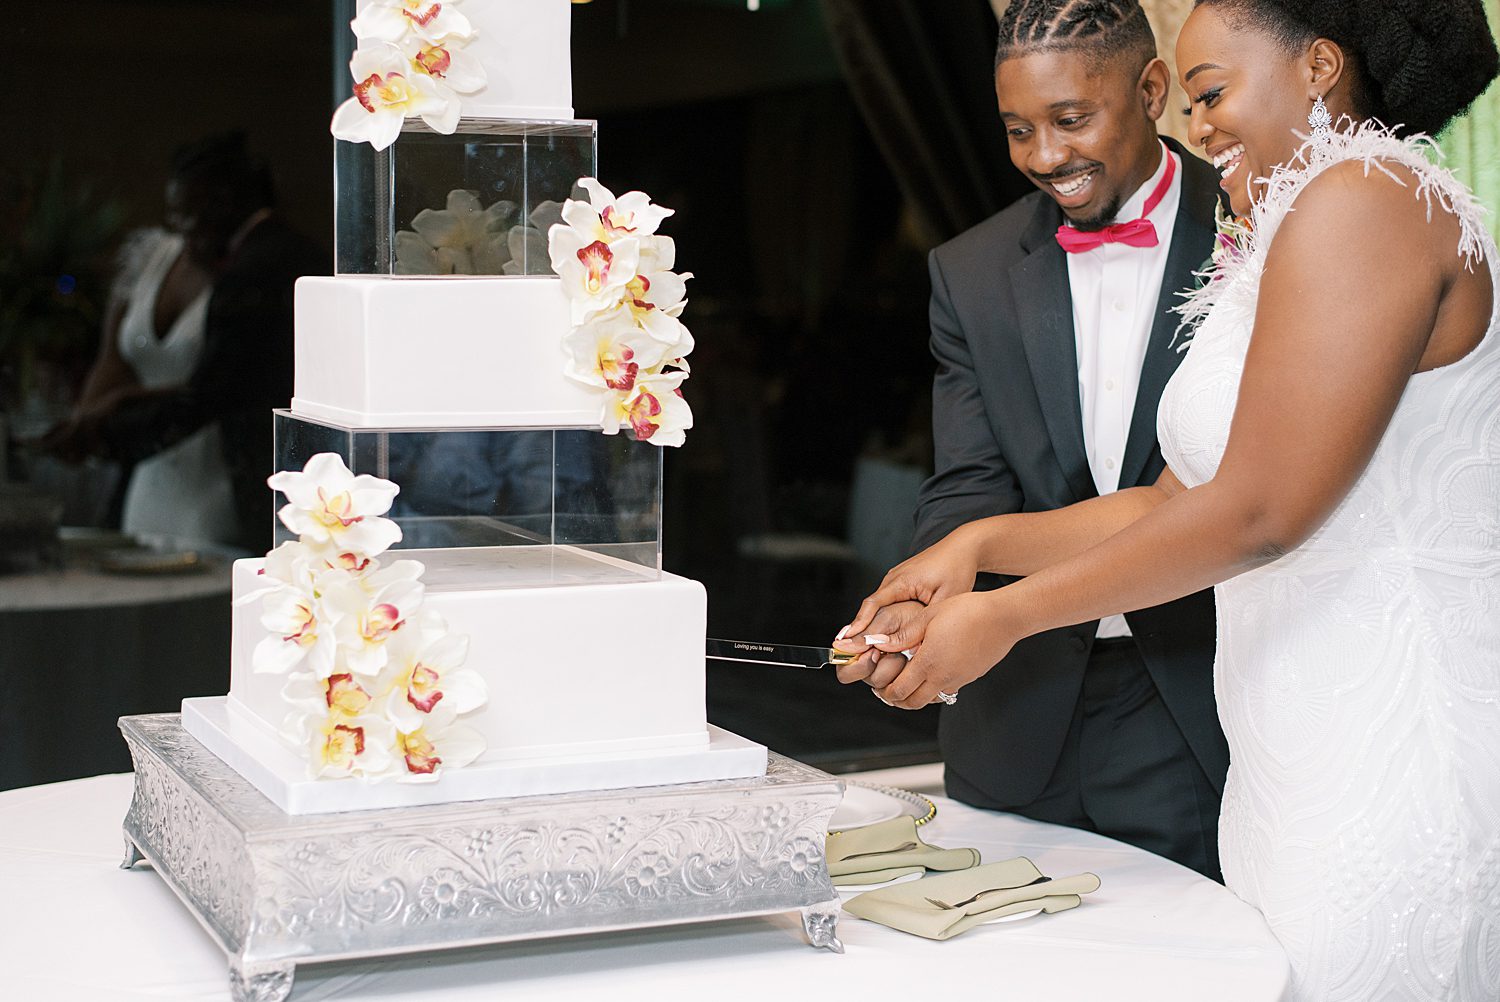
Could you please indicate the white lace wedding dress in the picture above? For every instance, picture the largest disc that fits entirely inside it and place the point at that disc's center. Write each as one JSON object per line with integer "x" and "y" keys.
{"x": 1358, "y": 677}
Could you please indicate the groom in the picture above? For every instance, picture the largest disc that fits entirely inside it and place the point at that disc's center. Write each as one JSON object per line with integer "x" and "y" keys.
{"x": 1053, "y": 335}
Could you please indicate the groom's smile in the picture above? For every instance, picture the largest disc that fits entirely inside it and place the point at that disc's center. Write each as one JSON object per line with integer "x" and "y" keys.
{"x": 1081, "y": 126}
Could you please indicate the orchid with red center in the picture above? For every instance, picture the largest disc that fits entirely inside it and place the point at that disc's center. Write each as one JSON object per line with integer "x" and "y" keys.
{"x": 340, "y": 745}
{"x": 298, "y": 635}
{"x": 328, "y": 506}
{"x": 612, "y": 352}
{"x": 344, "y": 695}
{"x": 400, "y": 20}
{"x": 655, "y": 410}
{"x": 442, "y": 744}
{"x": 388, "y": 89}
{"x": 607, "y": 218}
{"x": 430, "y": 679}
{"x": 448, "y": 62}
{"x": 368, "y": 611}
{"x": 594, "y": 273}
{"x": 420, "y": 755}
{"x": 655, "y": 302}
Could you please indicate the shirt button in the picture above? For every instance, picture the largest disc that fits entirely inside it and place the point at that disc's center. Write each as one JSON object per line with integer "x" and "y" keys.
{"x": 1109, "y": 464}
{"x": 1119, "y": 307}
{"x": 1109, "y": 384}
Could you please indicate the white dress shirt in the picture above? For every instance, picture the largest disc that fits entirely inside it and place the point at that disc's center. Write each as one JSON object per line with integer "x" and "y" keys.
{"x": 1115, "y": 292}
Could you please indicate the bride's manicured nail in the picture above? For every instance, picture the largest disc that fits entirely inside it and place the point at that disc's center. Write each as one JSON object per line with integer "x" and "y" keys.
{"x": 876, "y": 638}
{"x": 842, "y": 634}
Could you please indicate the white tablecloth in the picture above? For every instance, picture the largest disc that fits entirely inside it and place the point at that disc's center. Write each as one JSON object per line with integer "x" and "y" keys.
{"x": 75, "y": 927}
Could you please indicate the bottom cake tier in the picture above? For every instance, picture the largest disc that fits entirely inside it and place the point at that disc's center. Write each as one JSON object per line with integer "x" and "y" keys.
{"x": 595, "y": 674}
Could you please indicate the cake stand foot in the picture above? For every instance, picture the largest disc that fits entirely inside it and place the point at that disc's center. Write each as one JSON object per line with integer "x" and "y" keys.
{"x": 820, "y": 922}
{"x": 132, "y": 855}
{"x": 272, "y": 984}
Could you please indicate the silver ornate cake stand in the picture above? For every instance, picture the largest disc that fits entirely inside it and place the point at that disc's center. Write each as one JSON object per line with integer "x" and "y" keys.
{"x": 277, "y": 891}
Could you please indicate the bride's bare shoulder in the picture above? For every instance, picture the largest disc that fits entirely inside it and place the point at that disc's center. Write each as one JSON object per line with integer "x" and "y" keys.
{"x": 1380, "y": 205}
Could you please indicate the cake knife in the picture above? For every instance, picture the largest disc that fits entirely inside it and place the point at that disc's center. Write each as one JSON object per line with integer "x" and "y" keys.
{"x": 782, "y": 655}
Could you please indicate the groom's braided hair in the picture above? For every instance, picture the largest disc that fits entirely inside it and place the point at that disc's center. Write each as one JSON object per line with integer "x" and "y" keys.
{"x": 1103, "y": 28}
{"x": 1417, "y": 63}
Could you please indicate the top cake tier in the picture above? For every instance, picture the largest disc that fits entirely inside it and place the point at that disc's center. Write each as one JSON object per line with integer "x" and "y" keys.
{"x": 523, "y": 46}
{"x": 502, "y": 58}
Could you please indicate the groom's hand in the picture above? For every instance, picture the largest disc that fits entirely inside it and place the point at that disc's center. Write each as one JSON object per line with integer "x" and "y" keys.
{"x": 874, "y": 666}
{"x": 945, "y": 569}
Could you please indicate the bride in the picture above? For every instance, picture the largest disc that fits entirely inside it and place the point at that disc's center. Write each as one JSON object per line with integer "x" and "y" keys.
{"x": 1333, "y": 449}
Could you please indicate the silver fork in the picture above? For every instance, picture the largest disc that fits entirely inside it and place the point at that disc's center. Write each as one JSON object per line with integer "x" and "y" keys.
{"x": 969, "y": 901}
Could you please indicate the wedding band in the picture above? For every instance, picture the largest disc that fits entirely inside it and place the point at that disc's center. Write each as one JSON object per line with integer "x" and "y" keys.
{"x": 948, "y": 697}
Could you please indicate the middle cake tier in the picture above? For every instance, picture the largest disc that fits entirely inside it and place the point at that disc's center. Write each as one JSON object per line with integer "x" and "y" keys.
{"x": 437, "y": 353}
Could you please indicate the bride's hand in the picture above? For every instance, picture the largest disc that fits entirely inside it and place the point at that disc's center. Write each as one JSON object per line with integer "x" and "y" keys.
{"x": 956, "y": 641}
{"x": 944, "y": 569}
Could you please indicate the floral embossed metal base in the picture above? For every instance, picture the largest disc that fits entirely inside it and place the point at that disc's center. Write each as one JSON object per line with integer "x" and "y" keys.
{"x": 277, "y": 891}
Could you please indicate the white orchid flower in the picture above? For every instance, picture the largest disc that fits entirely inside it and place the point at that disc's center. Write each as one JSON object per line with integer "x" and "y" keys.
{"x": 448, "y": 61}
{"x": 461, "y": 239}
{"x": 338, "y": 745}
{"x": 655, "y": 302}
{"x": 398, "y": 20}
{"x": 328, "y": 506}
{"x": 607, "y": 218}
{"x": 594, "y": 273}
{"x": 528, "y": 242}
{"x": 415, "y": 256}
{"x": 610, "y": 351}
{"x": 367, "y": 611}
{"x": 300, "y": 634}
{"x": 387, "y": 91}
{"x": 655, "y": 410}
{"x": 658, "y": 254}
{"x": 425, "y": 751}
{"x": 430, "y": 679}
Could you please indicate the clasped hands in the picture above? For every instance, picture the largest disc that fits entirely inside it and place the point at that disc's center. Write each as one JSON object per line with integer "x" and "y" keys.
{"x": 925, "y": 630}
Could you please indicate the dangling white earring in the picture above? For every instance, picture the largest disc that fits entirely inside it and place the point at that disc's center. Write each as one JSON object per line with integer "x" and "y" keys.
{"x": 1320, "y": 120}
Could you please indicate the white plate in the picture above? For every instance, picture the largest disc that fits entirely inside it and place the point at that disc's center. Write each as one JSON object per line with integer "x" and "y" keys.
{"x": 868, "y": 805}
{"x": 852, "y": 889}
{"x": 1018, "y": 916}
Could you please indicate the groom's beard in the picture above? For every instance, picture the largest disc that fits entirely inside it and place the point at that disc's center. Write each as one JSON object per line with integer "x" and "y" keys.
{"x": 1098, "y": 220}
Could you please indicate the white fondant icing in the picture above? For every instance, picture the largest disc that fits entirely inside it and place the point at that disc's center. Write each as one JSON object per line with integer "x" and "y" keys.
{"x": 524, "y": 46}
{"x": 272, "y": 768}
{"x": 613, "y": 668}
{"x": 379, "y": 352}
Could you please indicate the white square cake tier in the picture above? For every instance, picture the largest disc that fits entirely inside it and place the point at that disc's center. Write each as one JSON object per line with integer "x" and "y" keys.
{"x": 437, "y": 352}
{"x": 589, "y": 662}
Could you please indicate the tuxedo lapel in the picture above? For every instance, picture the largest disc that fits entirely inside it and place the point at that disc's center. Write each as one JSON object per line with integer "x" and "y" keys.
{"x": 1044, "y": 309}
{"x": 1192, "y": 242}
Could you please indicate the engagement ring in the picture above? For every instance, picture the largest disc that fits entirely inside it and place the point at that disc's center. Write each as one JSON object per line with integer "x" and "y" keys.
{"x": 948, "y": 697}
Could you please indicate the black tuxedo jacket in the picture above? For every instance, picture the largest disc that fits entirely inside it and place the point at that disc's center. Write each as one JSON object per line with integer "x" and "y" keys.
{"x": 1008, "y": 431}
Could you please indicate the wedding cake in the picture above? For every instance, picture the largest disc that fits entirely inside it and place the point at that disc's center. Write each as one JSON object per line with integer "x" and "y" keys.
{"x": 467, "y": 598}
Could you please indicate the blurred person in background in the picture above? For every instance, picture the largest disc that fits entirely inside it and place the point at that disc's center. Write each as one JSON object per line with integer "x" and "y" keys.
{"x": 197, "y": 352}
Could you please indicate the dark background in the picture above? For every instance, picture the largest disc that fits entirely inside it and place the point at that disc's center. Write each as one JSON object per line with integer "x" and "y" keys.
{"x": 814, "y": 151}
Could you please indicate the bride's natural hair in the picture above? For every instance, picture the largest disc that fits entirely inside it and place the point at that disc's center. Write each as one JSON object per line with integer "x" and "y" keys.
{"x": 1417, "y": 63}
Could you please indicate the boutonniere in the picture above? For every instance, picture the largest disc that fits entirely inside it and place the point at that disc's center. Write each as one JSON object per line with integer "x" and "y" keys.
{"x": 1232, "y": 237}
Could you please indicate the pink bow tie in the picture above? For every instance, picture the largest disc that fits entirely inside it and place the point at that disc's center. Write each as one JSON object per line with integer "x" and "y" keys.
{"x": 1136, "y": 233}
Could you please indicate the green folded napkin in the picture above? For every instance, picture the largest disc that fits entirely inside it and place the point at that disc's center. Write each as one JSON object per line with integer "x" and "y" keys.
{"x": 1009, "y": 888}
{"x": 890, "y": 849}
